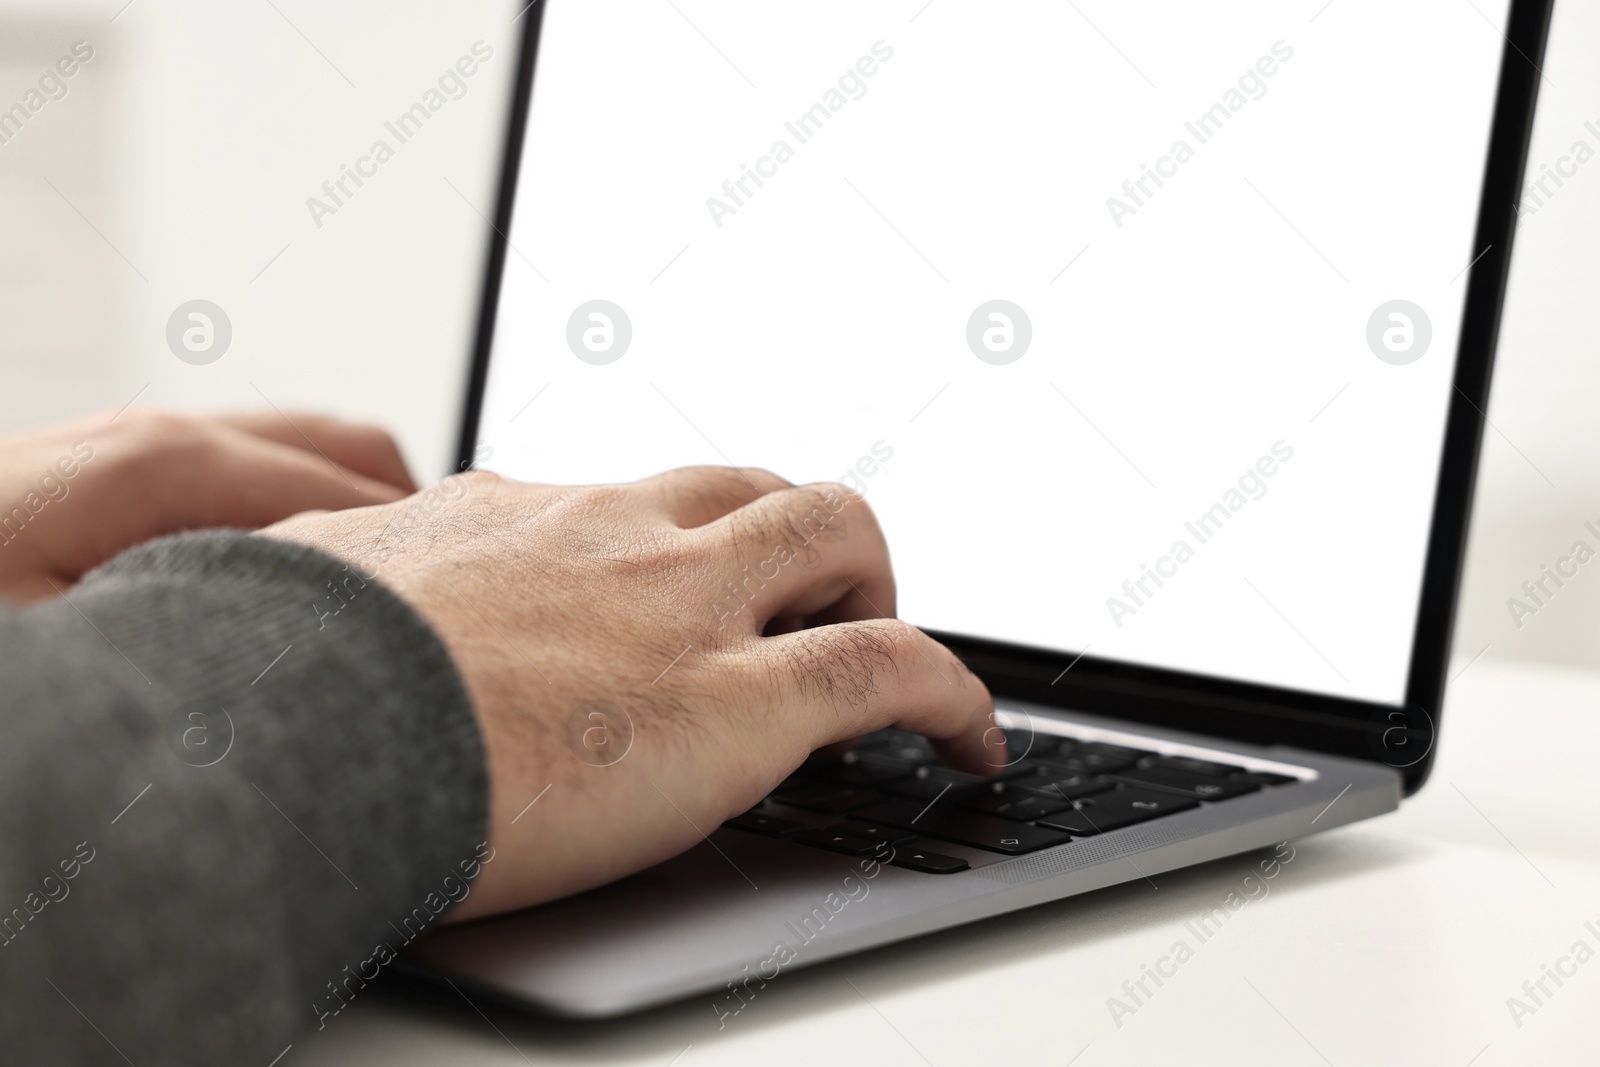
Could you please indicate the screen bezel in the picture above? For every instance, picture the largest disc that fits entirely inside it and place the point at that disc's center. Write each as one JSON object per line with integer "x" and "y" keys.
{"x": 1261, "y": 714}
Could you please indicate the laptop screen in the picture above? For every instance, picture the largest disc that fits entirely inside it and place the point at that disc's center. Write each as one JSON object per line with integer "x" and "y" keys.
{"x": 1134, "y": 324}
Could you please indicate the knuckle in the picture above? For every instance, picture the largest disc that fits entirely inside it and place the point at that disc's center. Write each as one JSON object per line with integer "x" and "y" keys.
{"x": 694, "y": 472}
{"x": 375, "y": 437}
{"x": 832, "y": 499}
{"x": 610, "y": 520}
{"x": 165, "y": 434}
{"x": 840, "y": 498}
{"x": 763, "y": 478}
{"x": 602, "y": 502}
{"x": 723, "y": 488}
{"x": 824, "y": 495}
{"x": 845, "y": 665}
{"x": 898, "y": 640}
{"x": 809, "y": 510}
{"x": 469, "y": 480}
{"x": 657, "y": 555}
{"x": 158, "y": 423}
{"x": 304, "y": 420}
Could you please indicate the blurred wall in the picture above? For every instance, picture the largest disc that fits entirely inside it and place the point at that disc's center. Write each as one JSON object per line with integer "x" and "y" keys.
{"x": 178, "y": 164}
{"x": 1540, "y": 478}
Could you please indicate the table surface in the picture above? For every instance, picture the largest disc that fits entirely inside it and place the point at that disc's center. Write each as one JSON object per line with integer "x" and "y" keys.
{"x": 1401, "y": 940}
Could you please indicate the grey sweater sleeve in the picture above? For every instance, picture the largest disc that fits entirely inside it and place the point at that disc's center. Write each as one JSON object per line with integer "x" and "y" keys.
{"x": 236, "y": 777}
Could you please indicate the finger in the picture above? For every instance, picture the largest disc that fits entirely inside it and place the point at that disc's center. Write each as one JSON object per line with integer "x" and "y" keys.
{"x": 216, "y": 476}
{"x": 694, "y": 496}
{"x": 169, "y": 474}
{"x": 798, "y": 552}
{"x": 367, "y": 450}
{"x": 853, "y": 678}
{"x": 251, "y": 481}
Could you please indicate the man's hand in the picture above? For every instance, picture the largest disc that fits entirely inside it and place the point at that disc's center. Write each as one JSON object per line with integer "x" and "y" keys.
{"x": 76, "y": 494}
{"x": 648, "y": 660}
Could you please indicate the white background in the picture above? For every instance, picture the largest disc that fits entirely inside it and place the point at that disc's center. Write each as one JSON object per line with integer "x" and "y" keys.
{"x": 830, "y": 310}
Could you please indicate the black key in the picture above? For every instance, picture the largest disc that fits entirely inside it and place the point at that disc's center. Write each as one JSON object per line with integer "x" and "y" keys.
{"x": 928, "y": 789}
{"x": 1023, "y": 743}
{"x": 1046, "y": 747}
{"x": 1091, "y": 757}
{"x": 860, "y": 768}
{"x": 898, "y": 744}
{"x": 837, "y": 842}
{"x": 893, "y": 835}
{"x": 1263, "y": 778}
{"x": 1112, "y": 811}
{"x": 1196, "y": 766}
{"x": 967, "y": 828}
{"x": 1030, "y": 768}
{"x": 932, "y": 782}
{"x": 905, "y": 813}
{"x": 771, "y": 825}
{"x": 1184, "y": 783}
{"x": 927, "y": 862}
{"x": 798, "y": 782}
{"x": 1015, "y": 804}
{"x": 1050, "y": 781}
{"x": 828, "y": 798}
{"x": 800, "y": 779}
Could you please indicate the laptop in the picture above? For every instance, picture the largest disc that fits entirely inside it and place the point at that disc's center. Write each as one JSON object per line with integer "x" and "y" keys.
{"x": 1159, "y": 341}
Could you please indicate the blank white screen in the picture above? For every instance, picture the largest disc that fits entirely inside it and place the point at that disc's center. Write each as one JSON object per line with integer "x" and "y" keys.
{"x": 824, "y": 317}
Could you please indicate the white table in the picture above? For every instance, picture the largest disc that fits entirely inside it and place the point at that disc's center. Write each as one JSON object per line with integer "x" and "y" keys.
{"x": 1397, "y": 941}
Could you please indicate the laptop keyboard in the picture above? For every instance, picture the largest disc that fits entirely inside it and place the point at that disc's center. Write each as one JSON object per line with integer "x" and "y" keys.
{"x": 889, "y": 792}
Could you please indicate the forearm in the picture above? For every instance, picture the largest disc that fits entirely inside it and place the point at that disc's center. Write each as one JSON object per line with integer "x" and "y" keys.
{"x": 236, "y": 776}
